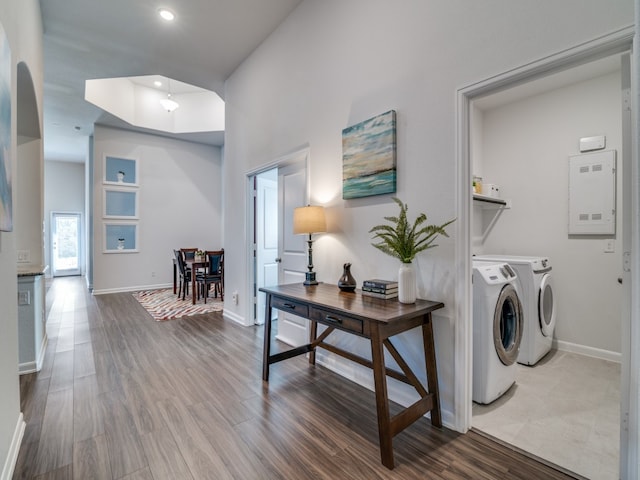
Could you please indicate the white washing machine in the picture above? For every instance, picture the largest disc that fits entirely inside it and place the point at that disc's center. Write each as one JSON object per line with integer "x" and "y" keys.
{"x": 497, "y": 330}
{"x": 538, "y": 303}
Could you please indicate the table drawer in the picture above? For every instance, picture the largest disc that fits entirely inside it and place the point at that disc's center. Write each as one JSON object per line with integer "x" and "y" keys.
{"x": 342, "y": 322}
{"x": 291, "y": 306}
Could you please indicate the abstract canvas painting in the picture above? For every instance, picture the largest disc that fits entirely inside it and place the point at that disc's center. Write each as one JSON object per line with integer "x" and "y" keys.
{"x": 6, "y": 207}
{"x": 369, "y": 157}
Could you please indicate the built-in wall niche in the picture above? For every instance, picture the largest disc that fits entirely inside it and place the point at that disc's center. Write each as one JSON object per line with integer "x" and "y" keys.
{"x": 120, "y": 238}
{"x": 120, "y": 203}
{"x": 123, "y": 171}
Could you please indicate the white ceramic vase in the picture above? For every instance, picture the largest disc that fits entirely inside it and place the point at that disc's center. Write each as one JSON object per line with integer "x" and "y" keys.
{"x": 407, "y": 283}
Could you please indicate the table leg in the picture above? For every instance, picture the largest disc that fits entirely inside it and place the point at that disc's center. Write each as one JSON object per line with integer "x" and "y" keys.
{"x": 382, "y": 399}
{"x": 266, "y": 351}
{"x": 313, "y": 333}
{"x": 432, "y": 371}
{"x": 175, "y": 278}
{"x": 193, "y": 285}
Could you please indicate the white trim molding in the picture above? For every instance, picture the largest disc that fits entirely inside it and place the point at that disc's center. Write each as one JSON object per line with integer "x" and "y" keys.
{"x": 36, "y": 365}
{"x": 616, "y": 42}
{"x": 14, "y": 449}
{"x": 587, "y": 351}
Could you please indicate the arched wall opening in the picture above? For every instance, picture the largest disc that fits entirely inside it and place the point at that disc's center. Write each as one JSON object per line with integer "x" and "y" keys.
{"x": 29, "y": 207}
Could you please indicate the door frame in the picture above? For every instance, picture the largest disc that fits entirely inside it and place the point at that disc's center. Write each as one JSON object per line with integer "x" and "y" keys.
{"x": 53, "y": 214}
{"x": 259, "y": 236}
{"x": 615, "y": 43}
{"x": 300, "y": 156}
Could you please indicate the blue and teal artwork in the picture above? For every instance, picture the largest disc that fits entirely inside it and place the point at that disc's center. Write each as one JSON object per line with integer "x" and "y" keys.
{"x": 6, "y": 204}
{"x": 369, "y": 157}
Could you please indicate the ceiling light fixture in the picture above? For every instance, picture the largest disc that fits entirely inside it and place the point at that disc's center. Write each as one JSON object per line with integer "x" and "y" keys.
{"x": 168, "y": 103}
{"x": 157, "y": 83}
{"x": 166, "y": 14}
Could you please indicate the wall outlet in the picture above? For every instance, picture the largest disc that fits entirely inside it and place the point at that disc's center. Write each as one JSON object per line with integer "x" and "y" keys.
{"x": 234, "y": 297}
{"x": 23, "y": 256}
{"x": 610, "y": 246}
{"x": 153, "y": 274}
{"x": 24, "y": 298}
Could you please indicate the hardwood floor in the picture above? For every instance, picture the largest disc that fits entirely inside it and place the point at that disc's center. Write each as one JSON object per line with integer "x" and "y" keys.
{"x": 121, "y": 396}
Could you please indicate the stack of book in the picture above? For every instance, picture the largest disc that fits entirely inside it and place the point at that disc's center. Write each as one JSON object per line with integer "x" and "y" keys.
{"x": 380, "y": 288}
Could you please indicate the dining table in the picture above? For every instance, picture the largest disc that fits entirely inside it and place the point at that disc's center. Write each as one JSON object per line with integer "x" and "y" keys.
{"x": 195, "y": 264}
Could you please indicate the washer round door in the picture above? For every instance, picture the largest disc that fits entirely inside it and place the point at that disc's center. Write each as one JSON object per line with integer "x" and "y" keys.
{"x": 546, "y": 306}
{"x": 507, "y": 325}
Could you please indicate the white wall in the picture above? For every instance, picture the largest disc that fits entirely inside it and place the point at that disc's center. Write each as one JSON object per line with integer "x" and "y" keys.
{"x": 63, "y": 192}
{"x": 29, "y": 201}
{"x": 332, "y": 64}
{"x": 22, "y": 23}
{"x": 180, "y": 205}
{"x": 526, "y": 145}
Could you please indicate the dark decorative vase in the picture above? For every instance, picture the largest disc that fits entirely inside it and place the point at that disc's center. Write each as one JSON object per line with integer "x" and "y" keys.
{"x": 347, "y": 283}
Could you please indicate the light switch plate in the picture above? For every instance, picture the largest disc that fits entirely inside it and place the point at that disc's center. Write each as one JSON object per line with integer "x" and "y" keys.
{"x": 24, "y": 298}
{"x": 23, "y": 256}
{"x": 610, "y": 246}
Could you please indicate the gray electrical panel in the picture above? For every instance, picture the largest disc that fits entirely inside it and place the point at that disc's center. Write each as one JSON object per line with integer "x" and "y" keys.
{"x": 592, "y": 193}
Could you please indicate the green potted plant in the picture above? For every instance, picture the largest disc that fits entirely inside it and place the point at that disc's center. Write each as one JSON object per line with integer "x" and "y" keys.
{"x": 404, "y": 241}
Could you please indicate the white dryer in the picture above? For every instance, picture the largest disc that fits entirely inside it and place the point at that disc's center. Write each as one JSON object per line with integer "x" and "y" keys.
{"x": 497, "y": 330}
{"x": 538, "y": 303}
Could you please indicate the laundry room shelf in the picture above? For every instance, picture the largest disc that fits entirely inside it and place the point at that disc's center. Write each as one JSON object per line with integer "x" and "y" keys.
{"x": 489, "y": 200}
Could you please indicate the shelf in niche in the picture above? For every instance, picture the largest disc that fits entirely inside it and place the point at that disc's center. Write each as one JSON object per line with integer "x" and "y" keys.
{"x": 120, "y": 171}
{"x": 120, "y": 238}
{"x": 490, "y": 200}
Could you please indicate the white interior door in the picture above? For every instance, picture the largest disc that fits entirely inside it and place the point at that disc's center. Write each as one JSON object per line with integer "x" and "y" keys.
{"x": 65, "y": 244}
{"x": 266, "y": 236}
{"x": 292, "y": 249}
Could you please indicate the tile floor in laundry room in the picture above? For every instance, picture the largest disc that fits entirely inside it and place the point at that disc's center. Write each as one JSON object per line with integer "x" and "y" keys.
{"x": 565, "y": 409}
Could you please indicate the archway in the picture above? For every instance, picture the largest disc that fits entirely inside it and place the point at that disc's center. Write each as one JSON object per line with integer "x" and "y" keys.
{"x": 28, "y": 225}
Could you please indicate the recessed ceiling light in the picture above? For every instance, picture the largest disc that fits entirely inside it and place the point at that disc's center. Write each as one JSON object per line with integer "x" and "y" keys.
{"x": 166, "y": 14}
{"x": 157, "y": 83}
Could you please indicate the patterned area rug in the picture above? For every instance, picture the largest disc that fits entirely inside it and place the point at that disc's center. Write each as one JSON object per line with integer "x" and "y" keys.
{"x": 165, "y": 305}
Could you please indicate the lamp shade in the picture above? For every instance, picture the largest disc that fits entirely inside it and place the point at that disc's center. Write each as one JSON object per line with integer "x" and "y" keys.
{"x": 309, "y": 220}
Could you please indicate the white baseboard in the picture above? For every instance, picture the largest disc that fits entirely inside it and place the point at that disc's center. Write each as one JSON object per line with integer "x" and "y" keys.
{"x": 26, "y": 368}
{"x": 14, "y": 449}
{"x": 43, "y": 350}
{"x": 105, "y": 291}
{"x": 36, "y": 365}
{"x": 588, "y": 351}
{"x": 234, "y": 317}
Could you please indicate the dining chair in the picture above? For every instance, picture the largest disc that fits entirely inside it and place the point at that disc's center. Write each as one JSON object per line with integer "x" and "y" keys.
{"x": 188, "y": 254}
{"x": 185, "y": 274}
{"x": 214, "y": 274}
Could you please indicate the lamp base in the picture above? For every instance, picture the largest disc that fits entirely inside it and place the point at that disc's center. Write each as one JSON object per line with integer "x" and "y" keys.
{"x": 310, "y": 279}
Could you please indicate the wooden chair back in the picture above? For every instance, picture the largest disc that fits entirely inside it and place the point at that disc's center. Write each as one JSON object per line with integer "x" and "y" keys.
{"x": 216, "y": 262}
{"x": 188, "y": 253}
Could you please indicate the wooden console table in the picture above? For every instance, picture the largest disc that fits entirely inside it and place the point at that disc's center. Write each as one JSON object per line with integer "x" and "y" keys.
{"x": 371, "y": 318}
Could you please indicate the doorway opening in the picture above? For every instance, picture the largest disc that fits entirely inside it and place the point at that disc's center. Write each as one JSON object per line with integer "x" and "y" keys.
{"x": 266, "y": 238}
{"x": 502, "y": 91}
{"x": 66, "y": 231}
{"x": 278, "y": 255}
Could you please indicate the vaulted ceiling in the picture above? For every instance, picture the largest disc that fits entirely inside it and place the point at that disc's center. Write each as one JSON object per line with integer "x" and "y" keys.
{"x": 90, "y": 39}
